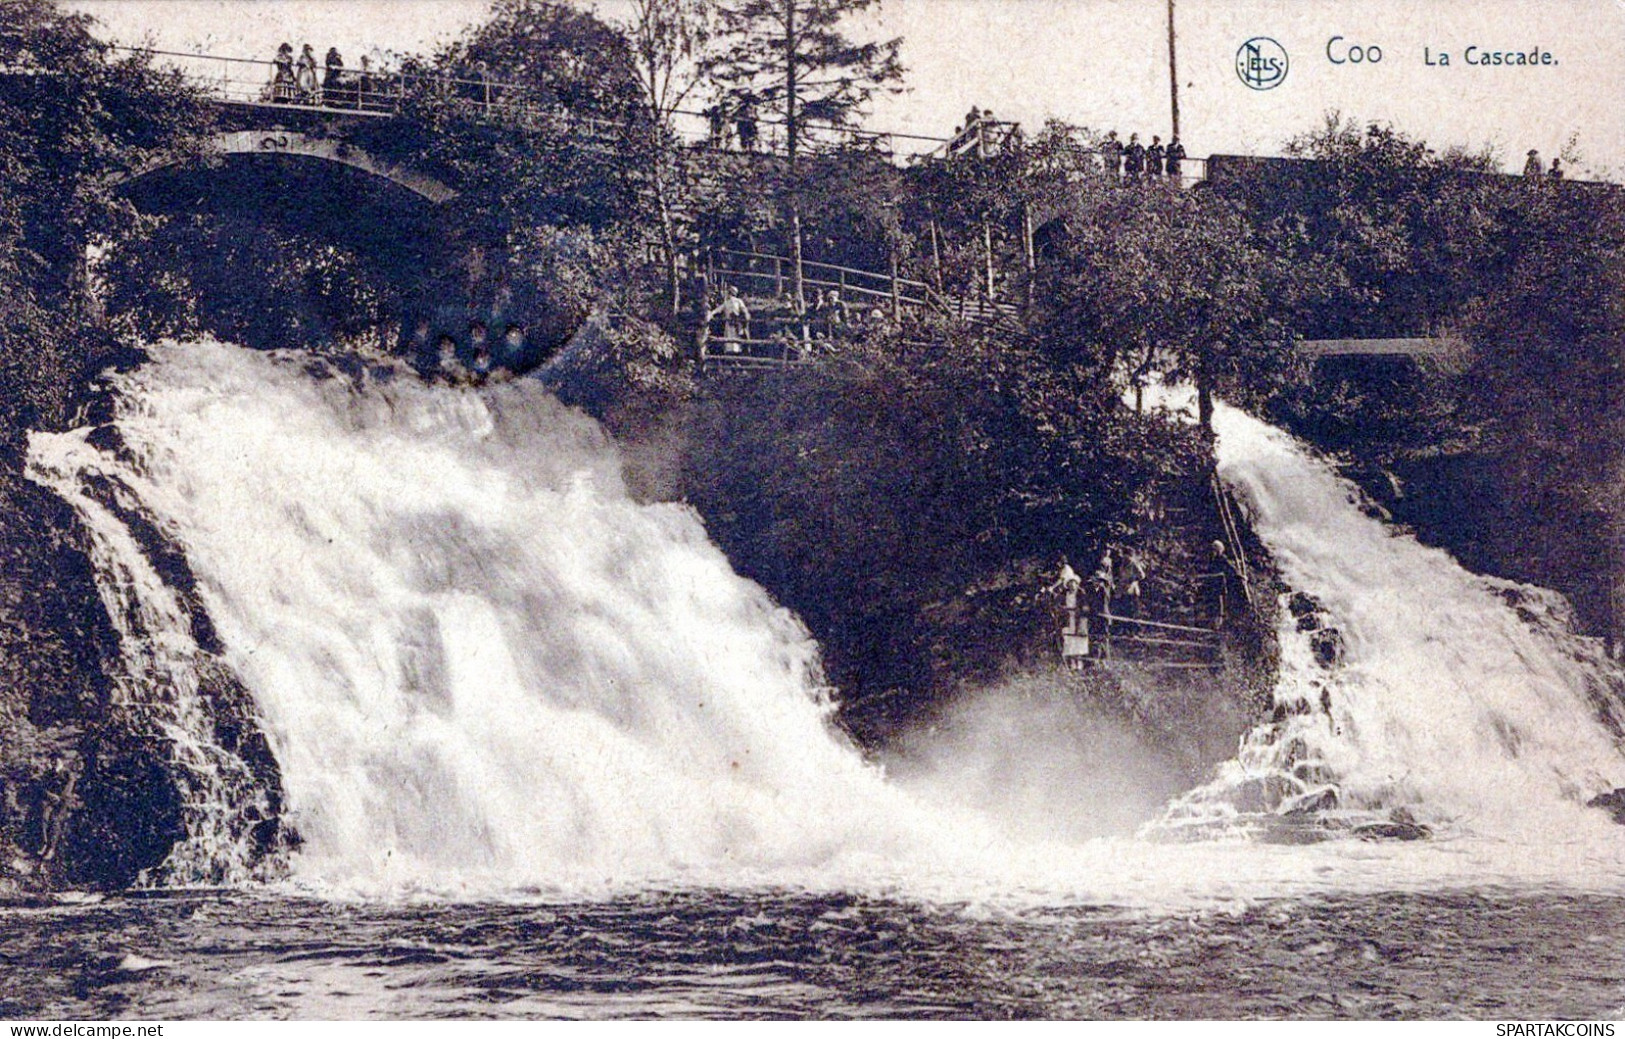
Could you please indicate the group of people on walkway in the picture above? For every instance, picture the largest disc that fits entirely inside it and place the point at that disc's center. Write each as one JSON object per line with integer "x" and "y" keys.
{"x": 1115, "y": 590}
{"x": 1113, "y": 593}
{"x": 1137, "y": 162}
{"x": 1535, "y": 170}
{"x": 728, "y": 117}
{"x": 299, "y": 81}
{"x": 735, "y": 320}
{"x": 825, "y": 317}
{"x": 979, "y": 135}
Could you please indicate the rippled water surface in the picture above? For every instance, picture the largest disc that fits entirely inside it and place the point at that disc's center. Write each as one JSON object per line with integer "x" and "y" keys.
{"x": 1491, "y": 954}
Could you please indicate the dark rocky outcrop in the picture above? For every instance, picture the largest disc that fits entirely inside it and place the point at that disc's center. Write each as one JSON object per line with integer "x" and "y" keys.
{"x": 90, "y": 796}
{"x": 58, "y": 652}
{"x": 1612, "y": 802}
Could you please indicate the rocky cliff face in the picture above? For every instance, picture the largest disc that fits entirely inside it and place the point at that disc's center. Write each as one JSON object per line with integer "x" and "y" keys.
{"x": 89, "y": 795}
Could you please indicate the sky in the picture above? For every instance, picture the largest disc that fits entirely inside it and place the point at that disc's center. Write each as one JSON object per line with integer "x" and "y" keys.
{"x": 1104, "y": 63}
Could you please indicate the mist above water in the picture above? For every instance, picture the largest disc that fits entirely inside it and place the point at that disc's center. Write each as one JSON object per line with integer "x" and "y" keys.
{"x": 1045, "y": 761}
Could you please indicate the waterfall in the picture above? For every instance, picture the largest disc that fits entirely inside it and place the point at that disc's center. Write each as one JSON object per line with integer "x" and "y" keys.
{"x": 477, "y": 659}
{"x": 172, "y": 687}
{"x": 482, "y": 665}
{"x": 1412, "y": 693}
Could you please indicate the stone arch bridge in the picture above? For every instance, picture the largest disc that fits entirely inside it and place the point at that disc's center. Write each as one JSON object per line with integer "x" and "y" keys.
{"x": 297, "y": 145}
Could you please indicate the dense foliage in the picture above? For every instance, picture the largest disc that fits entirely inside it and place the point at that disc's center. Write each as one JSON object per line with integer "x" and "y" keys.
{"x": 1508, "y": 452}
{"x": 912, "y": 501}
{"x": 61, "y": 153}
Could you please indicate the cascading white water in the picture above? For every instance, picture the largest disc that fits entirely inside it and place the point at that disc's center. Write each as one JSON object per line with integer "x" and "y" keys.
{"x": 1456, "y": 699}
{"x": 160, "y": 688}
{"x": 482, "y": 666}
{"x": 477, "y": 659}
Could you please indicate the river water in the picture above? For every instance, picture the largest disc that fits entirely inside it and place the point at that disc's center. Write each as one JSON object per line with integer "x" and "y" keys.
{"x": 549, "y": 756}
{"x": 1478, "y": 954}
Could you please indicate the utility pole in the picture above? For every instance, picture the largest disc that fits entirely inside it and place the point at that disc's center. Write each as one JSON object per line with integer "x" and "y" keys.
{"x": 1173, "y": 70}
{"x": 792, "y": 129}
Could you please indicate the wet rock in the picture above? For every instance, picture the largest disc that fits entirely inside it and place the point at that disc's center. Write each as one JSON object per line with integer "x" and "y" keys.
{"x": 1612, "y": 802}
{"x": 1325, "y": 641}
{"x": 1262, "y": 794}
{"x": 1305, "y": 610}
{"x": 1327, "y": 644}
{"x": 1393, "y": 831}
{"x": 1295, "y": 829}
{"x": 89, "y": 794}
{"x": 128, "y": 817}
{"x": 1314, "y": 803}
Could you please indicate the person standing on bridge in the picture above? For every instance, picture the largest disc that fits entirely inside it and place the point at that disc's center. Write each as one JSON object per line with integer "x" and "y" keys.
{"x": 1111, "y": 156}
{"x": 969, "y": 139}
{"x": 1532, "y": 167}
{"x": 1153, "y": 158}
{"x": 836, "y": 313}
{"x": 333, "y": 78}
{"x": 1104, "y": 581}
{"x": 716, "y": 119}
{"x": 735, "y": 321}
{"x": 1132, "y": 583}
{"x": 816, "y": 312}
{"x": 282, "y": 85}
{"x": 1556, "y": 172}
{"x": 366, "y": 85}
{"x": 1067, "y": 585}
{"x": 305, "y": 75}
{"x": 746, "y": 120}
{"x": 1134, "y": 158}
{"x": 1172, "y": 159}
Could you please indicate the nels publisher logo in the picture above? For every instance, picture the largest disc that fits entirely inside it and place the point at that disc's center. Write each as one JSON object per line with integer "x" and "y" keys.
{"x": 1261, "y": 63}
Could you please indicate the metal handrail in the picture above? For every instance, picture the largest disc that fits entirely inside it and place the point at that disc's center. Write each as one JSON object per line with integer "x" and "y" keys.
{"x": 500, "y": 97}
{"x": 910, "y": 282}
{"x": 883, "y": 295}
{"x": 509, "y": 98}
{"x": 1155, "y": 624}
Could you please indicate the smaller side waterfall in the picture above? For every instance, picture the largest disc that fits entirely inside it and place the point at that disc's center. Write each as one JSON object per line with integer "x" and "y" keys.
{"x": 173, "y": 687}
{"x": 1413, "y": 694}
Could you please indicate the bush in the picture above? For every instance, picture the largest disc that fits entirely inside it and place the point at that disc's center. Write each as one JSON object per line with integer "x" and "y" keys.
{"x": 911, "y": 500}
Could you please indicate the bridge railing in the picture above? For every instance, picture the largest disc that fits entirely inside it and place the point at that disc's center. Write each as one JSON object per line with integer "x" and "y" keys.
{"x": 380, "y": 92}
{"x": 770, "y": 276}
{"x": 354, "y": 91}
{"x": 377, "y": 92}
{"x": 697, "y": 129}
{"x": 1157, "y": 644}
{"x": 989, "y": 137}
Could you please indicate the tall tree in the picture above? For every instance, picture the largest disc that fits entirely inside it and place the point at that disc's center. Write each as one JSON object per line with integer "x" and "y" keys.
{"x": 668, "y": 41}
{"x": 540, "y": 150}
{"x": 794, "y": 55}
{"x": 1171, "y": 281}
